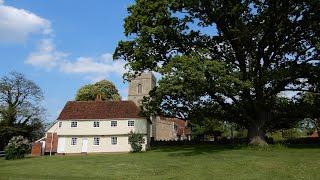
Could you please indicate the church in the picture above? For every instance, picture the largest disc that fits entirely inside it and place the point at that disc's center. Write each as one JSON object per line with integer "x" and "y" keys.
{"x": 103, "y": 126}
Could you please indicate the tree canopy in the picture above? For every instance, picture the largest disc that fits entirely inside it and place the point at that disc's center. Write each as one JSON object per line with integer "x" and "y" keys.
{"x": 106, "y": 89}
{"x": 21, "y": 112}
{"x": 231, "y": 58}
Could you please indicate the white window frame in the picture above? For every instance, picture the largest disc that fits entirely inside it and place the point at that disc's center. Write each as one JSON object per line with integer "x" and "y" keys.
{"x": 116, "y": 124}
{"x": 72, "y": 124}
{"x": 74, "y": 141}
{"x": 114, "y": 140}
{"x": 60, "y": 124}
{"x": 131, "y": 123}
{"x": 96, "y": 141}
{"x": 96, "y": 124}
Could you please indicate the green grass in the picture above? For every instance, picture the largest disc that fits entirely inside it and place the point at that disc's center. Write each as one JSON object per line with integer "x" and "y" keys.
{"x": 184, "y": 162}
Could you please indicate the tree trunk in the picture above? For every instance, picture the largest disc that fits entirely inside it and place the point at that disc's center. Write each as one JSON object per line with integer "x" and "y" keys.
{"x": 256, "y": 135}
{"x": 318, "y": 126}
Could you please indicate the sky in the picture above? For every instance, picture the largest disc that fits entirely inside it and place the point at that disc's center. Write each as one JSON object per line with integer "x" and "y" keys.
{"x": 62, "y": 45}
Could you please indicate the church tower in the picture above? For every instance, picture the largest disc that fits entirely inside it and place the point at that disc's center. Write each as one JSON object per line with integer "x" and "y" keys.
{"x": 140, "y": 87}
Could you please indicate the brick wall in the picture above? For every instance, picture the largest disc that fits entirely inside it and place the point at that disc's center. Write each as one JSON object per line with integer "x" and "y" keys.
{"x": 163, "y": 129}
{"x": 36, "y": 149}
{"x": 54, "y": 142}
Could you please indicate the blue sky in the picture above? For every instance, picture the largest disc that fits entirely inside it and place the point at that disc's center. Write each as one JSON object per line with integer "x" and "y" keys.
{"x": 62, "y": 44}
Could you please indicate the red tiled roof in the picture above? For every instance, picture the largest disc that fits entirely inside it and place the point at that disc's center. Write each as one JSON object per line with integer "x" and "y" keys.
{"x": 99, "y": 110}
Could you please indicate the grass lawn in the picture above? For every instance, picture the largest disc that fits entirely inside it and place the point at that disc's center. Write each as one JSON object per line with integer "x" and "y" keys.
{"x": 184, "y": 162}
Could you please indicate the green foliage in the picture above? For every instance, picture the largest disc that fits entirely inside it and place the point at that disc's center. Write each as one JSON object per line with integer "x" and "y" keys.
{"x": 229, "y": 58}
{"x": 291, "y": 133}
{"x": 105, "y": 88}
{"x": 17, "y": 148}
{"x": 21, "y": 111}
{"x": 136, "y": 140}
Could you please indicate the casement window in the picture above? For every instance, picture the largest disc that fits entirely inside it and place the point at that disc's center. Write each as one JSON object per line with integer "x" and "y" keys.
{"x": 114, "y": 140}
{"x": 60, "y": 124}
{"x": 74, "y": 124}
{"x": 130, "y": 123}
{"x": 96, "y": 141}
{"x": 114, "y": 123}
{"x": 74, "y": 141}
{"x": 96, "y": 124}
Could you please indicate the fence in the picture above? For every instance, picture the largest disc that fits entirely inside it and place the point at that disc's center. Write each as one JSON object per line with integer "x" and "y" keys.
{"x": 2, "y": 153}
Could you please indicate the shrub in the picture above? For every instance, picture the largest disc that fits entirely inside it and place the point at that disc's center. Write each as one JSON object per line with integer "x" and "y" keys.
{"x": 17, "y": 148}
{"x": 136, "y": 140}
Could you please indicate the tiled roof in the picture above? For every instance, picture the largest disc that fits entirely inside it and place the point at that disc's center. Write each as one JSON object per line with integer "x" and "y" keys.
{"x": 81, "y": 110}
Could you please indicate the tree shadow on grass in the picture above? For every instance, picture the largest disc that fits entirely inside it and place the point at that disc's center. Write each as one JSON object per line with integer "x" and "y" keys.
{"x": 193, "y": 150}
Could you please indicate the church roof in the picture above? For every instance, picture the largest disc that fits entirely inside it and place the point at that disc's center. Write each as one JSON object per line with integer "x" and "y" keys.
{"x": 82, "y": 110}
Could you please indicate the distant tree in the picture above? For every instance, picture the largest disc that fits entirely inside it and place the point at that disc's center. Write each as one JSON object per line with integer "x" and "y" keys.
{"x": 311, "y": 105}
{"x": 106, "y": 89}
{"x": 234, "y": 55}
{"x": 21, "y": 112}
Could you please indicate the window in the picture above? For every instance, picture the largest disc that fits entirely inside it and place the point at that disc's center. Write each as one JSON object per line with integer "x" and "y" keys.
{"x": 74, "y": 124}
{"x": 60, "y": 124}
{"x": 175, "y": 127}
{"x": 139, "y": 88}
{"x": 96, "y": 141}
{"x": 113, "y": 123}
{"x": 96, "y": 124}
{"x": 113, "y": 140}
{"x": 73, "y": 141}
{"x": 130, "y": 123}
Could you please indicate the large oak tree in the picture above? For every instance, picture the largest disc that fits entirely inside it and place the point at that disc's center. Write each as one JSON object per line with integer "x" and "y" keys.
{"x": 229, "y": 59}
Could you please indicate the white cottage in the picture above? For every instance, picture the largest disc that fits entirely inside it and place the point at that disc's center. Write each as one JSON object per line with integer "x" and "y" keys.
{"x": 96, "y": 126}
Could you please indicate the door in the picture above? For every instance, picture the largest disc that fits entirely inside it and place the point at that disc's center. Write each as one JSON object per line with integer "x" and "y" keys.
{"x": 84, "y": 145}
{"x": 61, "y": 144}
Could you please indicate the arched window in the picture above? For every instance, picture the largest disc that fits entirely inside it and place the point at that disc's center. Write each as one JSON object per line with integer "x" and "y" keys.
{"x": 139, "y": 88}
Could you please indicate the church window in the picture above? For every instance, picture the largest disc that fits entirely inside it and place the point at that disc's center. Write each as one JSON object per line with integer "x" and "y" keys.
{"x": 139, "y": 88}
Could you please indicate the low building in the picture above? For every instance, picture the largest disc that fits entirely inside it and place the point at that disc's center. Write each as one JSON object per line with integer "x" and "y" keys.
{"x": 96, "y": 126}
{"x": 168, "y": 129}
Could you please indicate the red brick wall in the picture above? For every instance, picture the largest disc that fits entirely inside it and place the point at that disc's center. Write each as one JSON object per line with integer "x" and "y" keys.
{"x": 36, "y": 149}
{"x": 54, "y": 142}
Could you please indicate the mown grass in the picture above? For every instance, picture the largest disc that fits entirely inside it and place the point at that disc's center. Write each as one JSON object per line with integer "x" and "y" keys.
{"x": 183, "y": 162}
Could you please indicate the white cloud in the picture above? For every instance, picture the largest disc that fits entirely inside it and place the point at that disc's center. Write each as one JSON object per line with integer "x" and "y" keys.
{"x": 101, "y": 65}
{"x": 93, "y": 68}
{"x": 16, "y": 24}
{"x": 46, "y": 56}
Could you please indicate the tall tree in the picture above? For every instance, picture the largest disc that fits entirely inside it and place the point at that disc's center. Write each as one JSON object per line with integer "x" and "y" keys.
{"x": 21, "y": 112}
{"x": 237, "y": 55}
{"x": 106, "y": 89}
